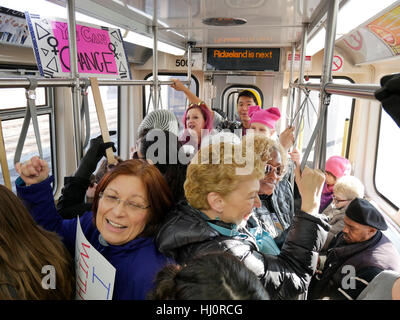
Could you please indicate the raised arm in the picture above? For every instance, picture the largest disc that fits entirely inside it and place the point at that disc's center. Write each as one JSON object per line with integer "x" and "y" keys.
{"x": 179, "y": 86}
{"x": 299, "y": 255}
{"x": 35, "y": 190}
{"x": 72, "y": 200}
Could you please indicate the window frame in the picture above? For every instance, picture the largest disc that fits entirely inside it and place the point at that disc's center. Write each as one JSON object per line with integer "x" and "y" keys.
{"x": 376, "y": 162}
{"x": 47, "y": 109}
{"x": 348, "y": 142}
{"x": 165, "y": 74}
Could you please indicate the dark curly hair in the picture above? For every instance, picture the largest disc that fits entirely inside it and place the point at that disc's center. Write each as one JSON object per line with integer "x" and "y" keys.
{"x": 211, "y": 276}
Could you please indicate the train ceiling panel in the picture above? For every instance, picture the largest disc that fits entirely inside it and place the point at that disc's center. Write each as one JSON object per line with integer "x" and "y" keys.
{"x": 210, "y": 23}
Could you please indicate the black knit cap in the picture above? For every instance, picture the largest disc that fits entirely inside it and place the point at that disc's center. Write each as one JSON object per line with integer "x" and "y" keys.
{"x": 361, "y": 211}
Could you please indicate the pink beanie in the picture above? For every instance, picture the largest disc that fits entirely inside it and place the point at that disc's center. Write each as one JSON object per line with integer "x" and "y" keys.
{"x": 267, "y": 117}
{"x": 338, "y": 166}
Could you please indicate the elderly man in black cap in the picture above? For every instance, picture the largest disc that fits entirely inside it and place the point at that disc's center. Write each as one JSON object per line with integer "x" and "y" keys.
{"x": 356, "y": 255}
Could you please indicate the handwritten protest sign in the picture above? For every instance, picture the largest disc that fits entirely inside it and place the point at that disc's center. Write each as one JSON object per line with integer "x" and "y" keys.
{"x": 94, "y": 274}
{"x": 100, "y": 50}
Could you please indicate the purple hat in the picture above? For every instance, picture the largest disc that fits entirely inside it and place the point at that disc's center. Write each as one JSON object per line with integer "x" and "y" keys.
{"x": 267, "y": 117}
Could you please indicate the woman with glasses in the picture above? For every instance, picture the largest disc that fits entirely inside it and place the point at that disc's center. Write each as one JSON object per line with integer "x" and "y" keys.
{"x": 129, "y": 204}
{"x": 346, "y": 189}
{"x": 276, "y": 211}
{"x": 221, "y": 189}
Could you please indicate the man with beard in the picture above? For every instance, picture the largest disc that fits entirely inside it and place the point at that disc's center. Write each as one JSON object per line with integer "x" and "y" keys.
{"x": 356, "y": 255}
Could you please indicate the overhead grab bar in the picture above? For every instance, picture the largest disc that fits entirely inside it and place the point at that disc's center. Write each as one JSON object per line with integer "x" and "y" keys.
{"x": 29, "y": 114}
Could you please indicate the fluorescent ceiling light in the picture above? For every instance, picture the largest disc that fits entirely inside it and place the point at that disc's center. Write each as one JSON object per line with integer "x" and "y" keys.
{"x": 353, "y": 14}
{"x": 146, "y": 15}
{"x": 356, "y": 12}
{"x": 145, "y": 41}
{"x": 316, "y": 43}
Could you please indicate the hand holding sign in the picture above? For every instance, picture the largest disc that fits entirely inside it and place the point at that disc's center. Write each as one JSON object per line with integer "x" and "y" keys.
{"x": 102, "y": 119}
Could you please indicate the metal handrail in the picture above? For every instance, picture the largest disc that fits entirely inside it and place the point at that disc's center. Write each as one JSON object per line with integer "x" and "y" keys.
{"x": 364, "y": 91}
{"x": 23, "y": 82}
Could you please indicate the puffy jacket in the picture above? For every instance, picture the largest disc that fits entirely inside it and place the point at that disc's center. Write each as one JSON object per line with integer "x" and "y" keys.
{"x": 187, "y": 232}
{"x": 336, "y": 222}
{"x": 136, "y": 262}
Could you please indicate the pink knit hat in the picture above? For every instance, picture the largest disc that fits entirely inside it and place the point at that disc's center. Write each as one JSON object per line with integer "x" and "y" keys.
{"x": 267, "y": 117}
{"x": 338, "y": 166}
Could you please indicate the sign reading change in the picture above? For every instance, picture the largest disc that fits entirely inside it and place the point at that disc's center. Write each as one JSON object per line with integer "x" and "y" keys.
{"x": 100, "y": 50}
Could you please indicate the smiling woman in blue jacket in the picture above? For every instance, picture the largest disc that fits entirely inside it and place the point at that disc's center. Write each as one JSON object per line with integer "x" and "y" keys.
{"x": 129, "y": 203}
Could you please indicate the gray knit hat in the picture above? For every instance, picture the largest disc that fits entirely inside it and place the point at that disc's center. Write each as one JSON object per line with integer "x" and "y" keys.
{"x": 160, "y": 119}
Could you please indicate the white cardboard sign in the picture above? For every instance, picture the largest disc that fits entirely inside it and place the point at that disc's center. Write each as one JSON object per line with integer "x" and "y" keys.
{"x": 100, "y": 50}
{"x": 94, "y": 274}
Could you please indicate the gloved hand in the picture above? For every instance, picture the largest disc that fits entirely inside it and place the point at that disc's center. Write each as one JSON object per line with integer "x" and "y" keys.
{"x": 389, "y": 96}
{"x": 97, "y": 149}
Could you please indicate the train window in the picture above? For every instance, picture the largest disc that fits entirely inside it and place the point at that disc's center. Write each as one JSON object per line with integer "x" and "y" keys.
{"x": 230, "y": 96}
{"x": 386, "y": 172}
{"x": 169, "y": 98}
{"x": 18, "y": 99}
{"x": 109, "y": 96}
{"x": 12, "y": 124}
{"x": 339, "y": 121}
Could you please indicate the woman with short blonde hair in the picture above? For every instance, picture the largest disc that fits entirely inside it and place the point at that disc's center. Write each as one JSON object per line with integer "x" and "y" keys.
{"x": 222, "y": 189}
{"x": 346, "y": 189}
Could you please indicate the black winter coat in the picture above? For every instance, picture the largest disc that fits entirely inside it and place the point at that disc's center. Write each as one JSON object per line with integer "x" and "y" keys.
{"x": 186, "y": 233}
{"x": 72, "y": 200}
{"x": 367, "y": 258}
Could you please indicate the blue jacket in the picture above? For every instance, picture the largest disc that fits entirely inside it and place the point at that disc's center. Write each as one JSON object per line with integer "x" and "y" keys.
{"x": 136, "y": 262}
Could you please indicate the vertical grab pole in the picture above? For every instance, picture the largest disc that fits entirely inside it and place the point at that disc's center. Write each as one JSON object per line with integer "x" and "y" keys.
{"x": 290, "y": 107}
{"x": 290, "y": 102}
{"x": 189, "y": 47}
{"x": 320, "y": 143}
{"x": 304, "y": 40}
{"x": 189, "y": 58}
{"x": 155, "y": 56}
{"x": 75, "y": 75}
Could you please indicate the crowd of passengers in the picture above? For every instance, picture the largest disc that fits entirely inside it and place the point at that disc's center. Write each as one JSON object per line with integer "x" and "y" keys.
{"x": 206, "y": 213}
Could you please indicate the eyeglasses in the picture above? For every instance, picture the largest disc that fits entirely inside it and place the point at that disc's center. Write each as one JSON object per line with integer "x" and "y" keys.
{"x": 198, "y": 104}
{"x": 115, "y": 201}
{"x": 334, "y": 199}
{"x": 269, "y": 168}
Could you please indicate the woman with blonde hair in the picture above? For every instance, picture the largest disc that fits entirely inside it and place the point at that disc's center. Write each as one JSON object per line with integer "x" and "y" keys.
{"x": 25, "y": 249}
{"x": 346, "y": 189}
{"x": 221, "y": 189}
